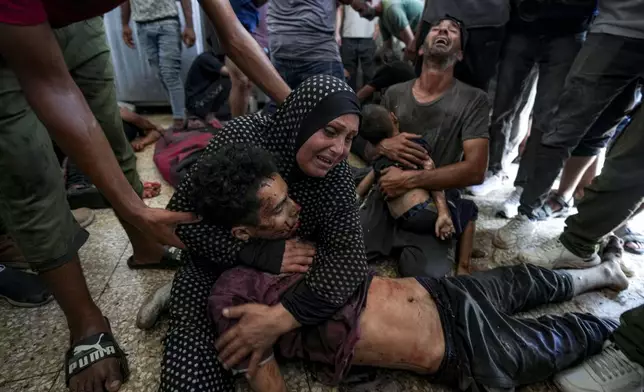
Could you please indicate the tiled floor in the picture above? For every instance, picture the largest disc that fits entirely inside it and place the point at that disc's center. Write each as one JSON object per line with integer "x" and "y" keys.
{"x": 33, "y": 341}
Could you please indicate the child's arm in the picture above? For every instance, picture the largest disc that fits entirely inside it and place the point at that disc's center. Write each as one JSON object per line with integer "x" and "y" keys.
{"x": 444, "y": 224}
{"x": 363, "y": 188}
{"x": 268, "y": 378}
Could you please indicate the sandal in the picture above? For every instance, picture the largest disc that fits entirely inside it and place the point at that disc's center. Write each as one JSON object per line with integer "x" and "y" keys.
{"x": 631, "y": 237}
{"x": 561, "y": 213}
{"x": 171, "y": 259}
{"x": 91, "y": 350}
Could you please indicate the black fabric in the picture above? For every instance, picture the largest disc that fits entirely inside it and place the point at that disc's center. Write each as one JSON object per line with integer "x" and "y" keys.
{"x": 487, "y": 347}
{"x": 331, "y": 107}
{"x": 264, "y": 255}
{"x": 204, "y": 71}
{"x": 550, "y": 18}
{"x": 382, "y": 162}
{"x": 629, "y": 337}
{"x": 131, "y": 131}
{"x": 392, "y": 73}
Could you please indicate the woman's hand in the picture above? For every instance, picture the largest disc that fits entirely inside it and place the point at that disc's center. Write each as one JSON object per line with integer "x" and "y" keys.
{"x": 298, "y": 256}
{"x": 258, "y": 329}
{"x": 394, "y": 182}
{"x": 444, "y": 226}
{"x": 402, "y": 148}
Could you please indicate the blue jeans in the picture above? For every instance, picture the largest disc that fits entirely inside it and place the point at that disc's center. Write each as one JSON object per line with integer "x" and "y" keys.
{"x": 162, "y": 42}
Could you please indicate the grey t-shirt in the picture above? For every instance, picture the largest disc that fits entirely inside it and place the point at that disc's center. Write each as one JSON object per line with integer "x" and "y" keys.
{"x": 148, "y": 10}
{"x": 460, "y": 114}
{"x": 620, "y": 17}
{"x": 473, "y": 13}
{"x": 302, "y": 29}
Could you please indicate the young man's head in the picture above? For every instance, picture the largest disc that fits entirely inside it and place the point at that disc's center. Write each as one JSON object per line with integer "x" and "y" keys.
{"x": 443, "y": 45}
{"x": 377, "y": 124}
{"x": 240, "y": 188}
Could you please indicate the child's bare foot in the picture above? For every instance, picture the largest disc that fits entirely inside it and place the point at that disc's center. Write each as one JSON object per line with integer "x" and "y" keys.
{"x": 151, "y": 189}
{"x": 151, "y": 137}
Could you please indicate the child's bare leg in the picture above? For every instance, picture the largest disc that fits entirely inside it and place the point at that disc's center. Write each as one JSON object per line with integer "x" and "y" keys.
{"x": 150, "y": 137}
{"x": 268, "y": 378}
{"x": 465, "y": 244}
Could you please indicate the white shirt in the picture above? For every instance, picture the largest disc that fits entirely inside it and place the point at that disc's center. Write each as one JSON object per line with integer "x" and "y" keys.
{"x": 355, "y": 26}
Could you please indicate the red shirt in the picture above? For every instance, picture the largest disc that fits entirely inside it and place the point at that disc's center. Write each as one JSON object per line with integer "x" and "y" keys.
{"x": 59, "y": 13}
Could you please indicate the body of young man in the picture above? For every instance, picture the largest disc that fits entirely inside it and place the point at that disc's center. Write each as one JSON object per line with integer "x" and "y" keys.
{"x": 159, "y": 31}
{"x": 452, "y": 118}
{"x": 459, "y": 331}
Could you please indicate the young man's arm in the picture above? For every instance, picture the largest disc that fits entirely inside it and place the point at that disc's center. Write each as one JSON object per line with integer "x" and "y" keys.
{"x": 245, "y": 52}
{"x": 363, "y": 188}
{"x": 188, "y": 35}
{"x": 268, "y": 378}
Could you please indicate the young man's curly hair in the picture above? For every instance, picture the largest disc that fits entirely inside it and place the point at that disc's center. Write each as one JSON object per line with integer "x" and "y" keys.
{"x": 226, "y": 183}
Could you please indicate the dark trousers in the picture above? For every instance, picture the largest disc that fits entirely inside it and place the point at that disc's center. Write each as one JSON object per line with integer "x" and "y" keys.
{"x": 487, "y": 347}
{"x": 358, "y": 53}
{"x": 614, "y": 196}
{"x": 553, "y": 56}
{"x": 480, "y": 56}
{"x": 211, "y": 100}
{"x": 606, "y": 66}
{"x": 629, "y": 336}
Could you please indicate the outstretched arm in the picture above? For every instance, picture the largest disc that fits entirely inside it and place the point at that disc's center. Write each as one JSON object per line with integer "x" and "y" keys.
{"x": 244, "y": 50}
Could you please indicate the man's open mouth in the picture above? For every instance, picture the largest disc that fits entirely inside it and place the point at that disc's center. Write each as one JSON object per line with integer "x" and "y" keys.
{"x": 441, "y": 41}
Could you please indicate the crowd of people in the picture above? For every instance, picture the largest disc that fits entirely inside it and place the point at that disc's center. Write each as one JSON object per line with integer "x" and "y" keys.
{"x": 272, "y": 232}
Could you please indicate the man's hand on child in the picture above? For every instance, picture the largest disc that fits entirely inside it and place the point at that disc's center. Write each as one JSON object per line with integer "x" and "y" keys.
{"x": 444, "y": 226}
{"x": 402, "y": 148}
{"x": 298, "y": 256}
{"x": 393, "y": 182}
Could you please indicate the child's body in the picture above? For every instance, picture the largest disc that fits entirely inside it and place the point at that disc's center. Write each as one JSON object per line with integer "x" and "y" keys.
{"x": 417, "y": 210}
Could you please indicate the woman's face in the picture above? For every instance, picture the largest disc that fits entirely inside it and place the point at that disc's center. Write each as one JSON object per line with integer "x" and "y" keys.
{"x": 328, "y": 146}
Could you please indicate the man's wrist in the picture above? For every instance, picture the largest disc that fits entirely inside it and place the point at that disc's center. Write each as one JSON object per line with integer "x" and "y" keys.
{"x": 284, "y": 319}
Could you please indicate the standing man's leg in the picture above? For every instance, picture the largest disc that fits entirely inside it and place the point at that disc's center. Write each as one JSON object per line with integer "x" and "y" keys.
{"x": 613, "y": 197}
{"x": 91, "y": 68}
{"x": 604, "y": 67}
{"x": 35, "y": 210}
{"x": 240, "y": 90}
{"x": 169, "y": 42}
{"x": 518, "y": 57}
{"x": 350, "y": 60}
{"x": 367, "y": 54}
{"x": 480, "y": 57}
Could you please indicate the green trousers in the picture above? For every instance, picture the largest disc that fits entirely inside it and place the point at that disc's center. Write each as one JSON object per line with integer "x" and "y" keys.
{"x": 614, "y": 196}
{"x": 33, "y": 203}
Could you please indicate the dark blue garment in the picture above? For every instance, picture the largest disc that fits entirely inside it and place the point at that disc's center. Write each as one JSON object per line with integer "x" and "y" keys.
{"x": 247, "y": 14}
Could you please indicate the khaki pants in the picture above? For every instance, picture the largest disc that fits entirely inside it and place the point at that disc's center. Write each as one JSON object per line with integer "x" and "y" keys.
{"x": 33, "y": 203}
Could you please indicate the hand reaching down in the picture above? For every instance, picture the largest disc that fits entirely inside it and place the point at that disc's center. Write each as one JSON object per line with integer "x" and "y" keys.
{"x": 188, "y": 37}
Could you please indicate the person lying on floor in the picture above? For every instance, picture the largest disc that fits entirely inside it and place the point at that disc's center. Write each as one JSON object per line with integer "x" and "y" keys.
{"x": 460, "y": 331}
{"x": 415, "y": 210}
{"x": 140, "y": 132}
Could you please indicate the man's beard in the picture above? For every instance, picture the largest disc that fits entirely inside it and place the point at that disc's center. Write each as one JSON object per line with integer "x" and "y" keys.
{"x": 437, "y": 58}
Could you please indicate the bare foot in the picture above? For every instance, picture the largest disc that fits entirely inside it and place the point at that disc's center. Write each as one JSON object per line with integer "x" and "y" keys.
{"x": 151, "y": 137}
{"x": 104, "y": 375}
{"x": 615, "y": 277}
{"x": 151, "y": 189}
